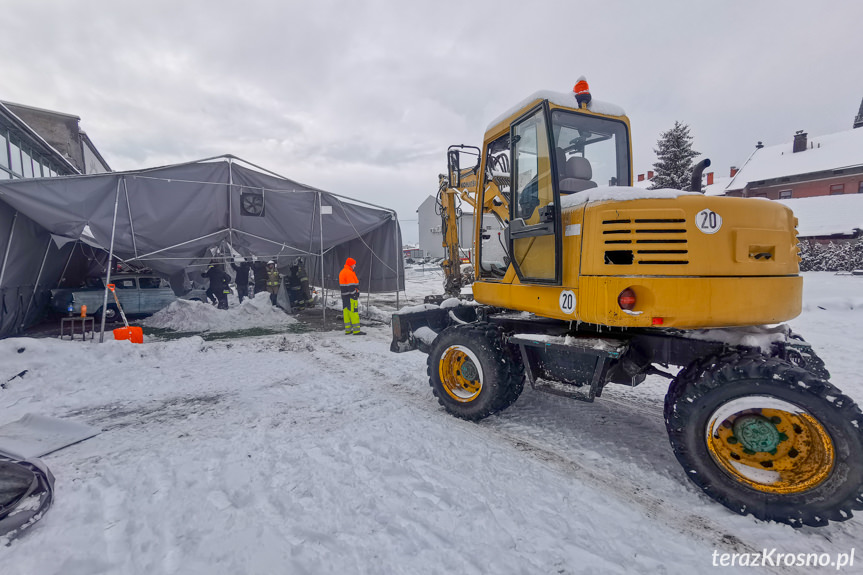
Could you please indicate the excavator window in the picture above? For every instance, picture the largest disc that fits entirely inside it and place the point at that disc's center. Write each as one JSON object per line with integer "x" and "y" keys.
{"x": 589, "y": 151}
{"x": 491, "y": 250}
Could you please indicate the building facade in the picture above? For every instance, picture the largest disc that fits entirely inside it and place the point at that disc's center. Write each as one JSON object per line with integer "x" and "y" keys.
{"x": 431, "y": 229}
{"x": 62, "y": 132}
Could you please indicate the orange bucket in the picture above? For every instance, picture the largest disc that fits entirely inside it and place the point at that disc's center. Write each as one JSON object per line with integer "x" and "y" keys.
{"x": 133, "y": 334}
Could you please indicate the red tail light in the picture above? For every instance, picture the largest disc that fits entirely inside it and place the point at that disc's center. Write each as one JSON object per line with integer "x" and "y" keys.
{"x": 626, "y": 299}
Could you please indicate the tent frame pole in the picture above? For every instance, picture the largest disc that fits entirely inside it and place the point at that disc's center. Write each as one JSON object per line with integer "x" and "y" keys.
{"x": 323, "y": 282}
{"x": 180, "y": 244}
{"x": 230, "y": 215}
{"x": 68, "y": 260}
{"x": 131, "y": 223}
{"x": 399, "y": 254}
{"x": 36, "y": 285}
{"x": 8, "y": 247}
{"x": 110, "y": 261}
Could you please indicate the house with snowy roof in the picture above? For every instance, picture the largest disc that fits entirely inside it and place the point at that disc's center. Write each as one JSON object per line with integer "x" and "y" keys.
{"x": 827, "y": 165}
{"x": 809, "y": 175}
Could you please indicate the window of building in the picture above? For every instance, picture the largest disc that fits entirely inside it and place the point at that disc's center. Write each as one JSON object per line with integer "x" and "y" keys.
{"x": 837, "y": 189}
{"x": 4, "y": 175}
{"x": 4, "y": 150}
{"x": 15, "y": 158}
{"x": 27, "y": 163}
{"x": 784, "y": 194}
{"x": 860, "y": 187}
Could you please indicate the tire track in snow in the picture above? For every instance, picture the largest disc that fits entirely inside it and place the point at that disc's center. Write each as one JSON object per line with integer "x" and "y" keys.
{"x": 686, "y": 523}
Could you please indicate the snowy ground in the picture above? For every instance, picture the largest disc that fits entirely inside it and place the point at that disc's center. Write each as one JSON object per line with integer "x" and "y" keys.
{"x": 318, "y": 452}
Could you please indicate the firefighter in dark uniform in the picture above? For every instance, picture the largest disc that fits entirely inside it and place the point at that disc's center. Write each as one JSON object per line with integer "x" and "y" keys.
{"x": 298, "y": 302}
{"x": 350, "y": 298}
{"x": 219, "y": 285}
{"x": 260, "y": 270}
{"x": 273, "y": 281}
{"x": 241, "y": 278}
{"x": 305, "y": 290}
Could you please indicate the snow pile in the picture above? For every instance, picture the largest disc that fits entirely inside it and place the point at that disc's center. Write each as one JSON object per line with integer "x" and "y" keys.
{"x": 758, "y": 336}
{"x": 194, "y": 316}
{"x": 566, "y": 99}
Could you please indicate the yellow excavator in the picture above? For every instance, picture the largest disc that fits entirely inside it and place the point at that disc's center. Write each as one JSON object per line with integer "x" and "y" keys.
{"x": 592, "y": 281}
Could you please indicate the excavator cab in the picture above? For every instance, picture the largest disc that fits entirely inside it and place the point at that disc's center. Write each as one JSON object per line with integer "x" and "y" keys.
{"x": 532, "y": 159}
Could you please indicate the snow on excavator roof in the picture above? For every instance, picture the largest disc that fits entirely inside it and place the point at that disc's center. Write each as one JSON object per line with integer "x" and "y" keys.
{"x": 561, "y": 99}
{"x": 619, "y": 194}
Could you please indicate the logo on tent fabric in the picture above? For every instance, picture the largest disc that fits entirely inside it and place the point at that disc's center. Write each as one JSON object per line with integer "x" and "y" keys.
{"x": 252, "y": 204}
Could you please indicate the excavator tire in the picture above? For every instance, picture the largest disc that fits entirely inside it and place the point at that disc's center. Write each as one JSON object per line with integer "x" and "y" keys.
{"x": 472, "y": 372}
{"x": 802, "y": 355}
{"x": 767, "y": 438}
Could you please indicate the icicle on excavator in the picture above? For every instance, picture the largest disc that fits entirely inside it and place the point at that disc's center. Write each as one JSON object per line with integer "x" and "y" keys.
{"x": 596, "y": 282}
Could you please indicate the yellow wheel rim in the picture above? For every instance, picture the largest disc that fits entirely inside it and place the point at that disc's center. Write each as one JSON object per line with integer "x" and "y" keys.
{"x": 460, "y": 374}
{"x": 770, "y": 445}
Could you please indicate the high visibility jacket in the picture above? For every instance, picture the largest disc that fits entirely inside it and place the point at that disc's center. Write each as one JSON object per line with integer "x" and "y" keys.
{"x": 349, "y": 282}
{"x": 273, "y": 281}
{"x": 273, "y": 278}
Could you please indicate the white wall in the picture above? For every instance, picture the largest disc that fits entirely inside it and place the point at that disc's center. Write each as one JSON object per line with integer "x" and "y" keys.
{"x": 431, "y": 236}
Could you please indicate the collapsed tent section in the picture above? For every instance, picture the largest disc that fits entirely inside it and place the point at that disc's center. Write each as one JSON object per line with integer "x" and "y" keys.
{"x": 26, "y": 493}
{"x": 175, "y": 218}
{"x": 30, "y": 264}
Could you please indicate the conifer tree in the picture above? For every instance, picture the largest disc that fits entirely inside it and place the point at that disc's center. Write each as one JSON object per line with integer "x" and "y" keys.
{"x": 674, "y": 155}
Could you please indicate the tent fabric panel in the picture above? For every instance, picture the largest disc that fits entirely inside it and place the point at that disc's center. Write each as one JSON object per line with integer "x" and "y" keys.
{"x": 374, "y": 253}
{"x": 348, "y": 220}
{"x": 62, "y": 205}
{"x": 289, "y": 218}
{"x": 166, "y": 213}
{"x": 200, "y": 171}
{"x": 247, "y": 177}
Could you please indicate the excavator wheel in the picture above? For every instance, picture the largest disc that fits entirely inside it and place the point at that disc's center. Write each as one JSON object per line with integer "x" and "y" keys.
{"x": 765, "y": 437}
{"x": 472, "y": 372}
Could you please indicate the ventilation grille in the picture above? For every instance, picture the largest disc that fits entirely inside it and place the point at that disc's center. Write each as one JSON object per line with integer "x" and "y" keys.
{"x": 645, "y": 241}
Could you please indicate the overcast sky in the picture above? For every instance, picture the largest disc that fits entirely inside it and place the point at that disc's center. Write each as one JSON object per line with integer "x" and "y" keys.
{"x": 362, "y": 98}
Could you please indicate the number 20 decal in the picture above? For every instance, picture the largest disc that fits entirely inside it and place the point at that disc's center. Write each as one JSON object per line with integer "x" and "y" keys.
{"x": 708, "y": 221}
{"x": 567, "y": 302}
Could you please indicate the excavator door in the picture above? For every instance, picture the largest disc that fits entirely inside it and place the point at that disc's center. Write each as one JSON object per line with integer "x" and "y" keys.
{"x": 533, "y": 228}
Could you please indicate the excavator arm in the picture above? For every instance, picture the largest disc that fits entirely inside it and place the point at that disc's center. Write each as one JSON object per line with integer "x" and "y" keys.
{"x": 466, "y": 189}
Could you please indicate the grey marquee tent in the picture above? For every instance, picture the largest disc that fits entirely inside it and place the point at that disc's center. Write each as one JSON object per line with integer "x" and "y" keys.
{"x": 174, "y": 217}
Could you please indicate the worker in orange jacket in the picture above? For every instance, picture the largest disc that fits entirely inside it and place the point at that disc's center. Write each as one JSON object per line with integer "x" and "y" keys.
{"x": 350, "y": 298}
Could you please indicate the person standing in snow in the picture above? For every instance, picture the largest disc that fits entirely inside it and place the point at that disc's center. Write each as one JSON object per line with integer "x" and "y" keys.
{"x": 350, "y": 285}
{"x": 260, "y": 270}
{"x": 219, "y": 285}
{"x": 273, "y": 281}
{"x": 241, "y": 278}
{"x": 293, "y": 283}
